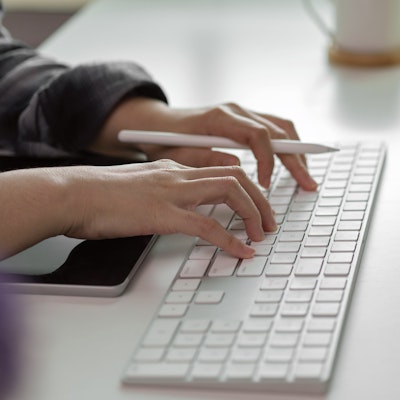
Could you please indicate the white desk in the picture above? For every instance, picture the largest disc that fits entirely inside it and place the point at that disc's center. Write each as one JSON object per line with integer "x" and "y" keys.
{"x": 266, "y": 55}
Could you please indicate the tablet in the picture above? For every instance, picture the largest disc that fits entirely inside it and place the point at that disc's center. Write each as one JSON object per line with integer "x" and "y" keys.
{"x": 65, "y": 266}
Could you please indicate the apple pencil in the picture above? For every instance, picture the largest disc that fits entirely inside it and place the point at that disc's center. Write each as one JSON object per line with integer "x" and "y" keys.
{"x": 188, "y": 140}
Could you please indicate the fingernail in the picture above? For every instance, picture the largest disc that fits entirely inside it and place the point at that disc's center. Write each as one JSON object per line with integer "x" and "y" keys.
{"x": 248, "y": 252}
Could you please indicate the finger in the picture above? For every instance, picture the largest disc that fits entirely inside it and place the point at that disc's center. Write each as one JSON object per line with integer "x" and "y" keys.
{"x": 228, "y": 122}
{"x": 295, "y": 163}
{"x": 299, "y": 171}
{"x": 239, "y": 193}
{"x": 287, "y": 126}
{"x": 210, "y": 230}
{"x": 196, "y": 157}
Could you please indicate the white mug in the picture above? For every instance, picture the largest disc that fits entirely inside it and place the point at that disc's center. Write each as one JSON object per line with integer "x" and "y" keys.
{"x": 363, "y": 26}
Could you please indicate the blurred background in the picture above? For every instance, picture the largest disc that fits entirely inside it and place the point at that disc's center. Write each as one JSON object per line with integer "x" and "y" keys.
{"x": 32, "y": 21}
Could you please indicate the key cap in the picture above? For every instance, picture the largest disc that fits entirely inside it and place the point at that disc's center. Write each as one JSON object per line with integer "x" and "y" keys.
{"x": 246, "y": 354}
{"x": 202, "y": 252}
{"x": 209, "y": 297}
{"x": 172, "y": 310}
{"x": 179, "y": 297}
{"x": 326, "y": 309}
{"x": 181, "y": 355}
{"x": 149, "y": 371}
{"x": 207, "y": 371}
{"x": 222, "y": 326}
{"x": 252, "y": 266}
{"x": 238, "y": 371}
{"x": 309, "y": 267}
{"x": 195, "y": 325}
{"x": 194, "y": 268}
{"x": 313, "y": 354}
{"x": 279, "y": 355}
{"x": 308, "y": 370}
{"x": 224, "y": 265}
{"x": 313, "y": 252}
{"x": 269, "y": 296}
{"x": 151, "y": 354}
{"x": 160, "y": 332}
{"x": 208, "y": 354}
{"x": 186, "y": 284}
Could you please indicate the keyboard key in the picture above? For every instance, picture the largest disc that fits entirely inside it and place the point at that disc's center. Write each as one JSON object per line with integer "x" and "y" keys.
{"x": 179, "y": 297}
{"x": 274, "y": 284}
{"x": 321, "y": 325}
{"x": 308, "y": 370}
{"x": 295, "y": 309}
{"x": 209, "y": 297}
{"x": 161, "y": 332}
{"x": 313, "y": 354}
{"x": 206, "y": 371}
{"x": 252, "y": 267}
{"x": 238, "y": 371}
{"x": 219, "y": 339}
{"x": 202, "y": 252}
{"x": 329, "y": 296}
{"x": 188, "y": 339}
{"x": 289, "y": 325}
{"x": 257, "y": 325}
{"x": 149, "y": 371}
{"x": 309, "y": 267}
{"x": 326, "y": 309}
{"x": 222, "y": 326}
{"x": 186, "y": 284}
{"x": 317, "y": 339}
{"x": 151, "y": 354}
{"x": 173, "y": 310}
{"x": 224, "y": 265}
{"x": 212, "y": 354}
{"x": 194, "y": 268}
{"x": 279, "y": 355}
{"x": 284, "y": 340}
{"x": 273, "y": 371}
{"x": 337, "y": 269}
{"x": 246, "y": 355}
{"x": 181, "y": 355}
{"x": 195, "y": 325}
{"x": 264, "y": 310}
{"x": 279, "y": 270}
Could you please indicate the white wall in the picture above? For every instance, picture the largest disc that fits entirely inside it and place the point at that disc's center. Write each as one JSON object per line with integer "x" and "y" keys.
{"x": 44, "y": 5}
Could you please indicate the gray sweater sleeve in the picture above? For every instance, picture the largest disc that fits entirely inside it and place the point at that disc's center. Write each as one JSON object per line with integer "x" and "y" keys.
{"x": 47, "y": 108}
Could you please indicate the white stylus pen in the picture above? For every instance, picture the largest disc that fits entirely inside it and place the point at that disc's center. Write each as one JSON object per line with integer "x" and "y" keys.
{"x": 187, "y": 140}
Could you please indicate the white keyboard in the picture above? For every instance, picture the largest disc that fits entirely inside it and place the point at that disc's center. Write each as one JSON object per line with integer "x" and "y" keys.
{"x": 273, "y": 322}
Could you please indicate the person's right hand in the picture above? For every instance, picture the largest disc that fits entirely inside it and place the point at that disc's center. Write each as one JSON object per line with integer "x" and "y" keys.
{"x": 161, "y": 197}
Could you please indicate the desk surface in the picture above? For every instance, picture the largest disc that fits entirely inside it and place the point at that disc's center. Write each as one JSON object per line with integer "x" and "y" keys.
{"x": 269, "y": 56}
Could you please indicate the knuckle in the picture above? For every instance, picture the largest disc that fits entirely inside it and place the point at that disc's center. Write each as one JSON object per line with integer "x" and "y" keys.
{"x": 217, "y": 112}
{"x": 262, "y": 132}
{"x": 238, "y": 171}
{"x": 281, "y": 135}
{"x": 287, "y": 125}
{"x": 232, "y": 106}
{"x": 167, "y": 164}
{"x": 222, "y": 110}
{"x": 229, "y": 184}
{"x": 206, "y": 226}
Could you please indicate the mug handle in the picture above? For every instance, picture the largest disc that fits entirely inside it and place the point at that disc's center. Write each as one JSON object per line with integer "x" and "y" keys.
{"x": 312, "y": 11}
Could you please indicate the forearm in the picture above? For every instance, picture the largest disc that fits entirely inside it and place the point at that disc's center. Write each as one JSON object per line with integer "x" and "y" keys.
{"x": 35, "y": 204}
{"x": 47, "y": 108}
